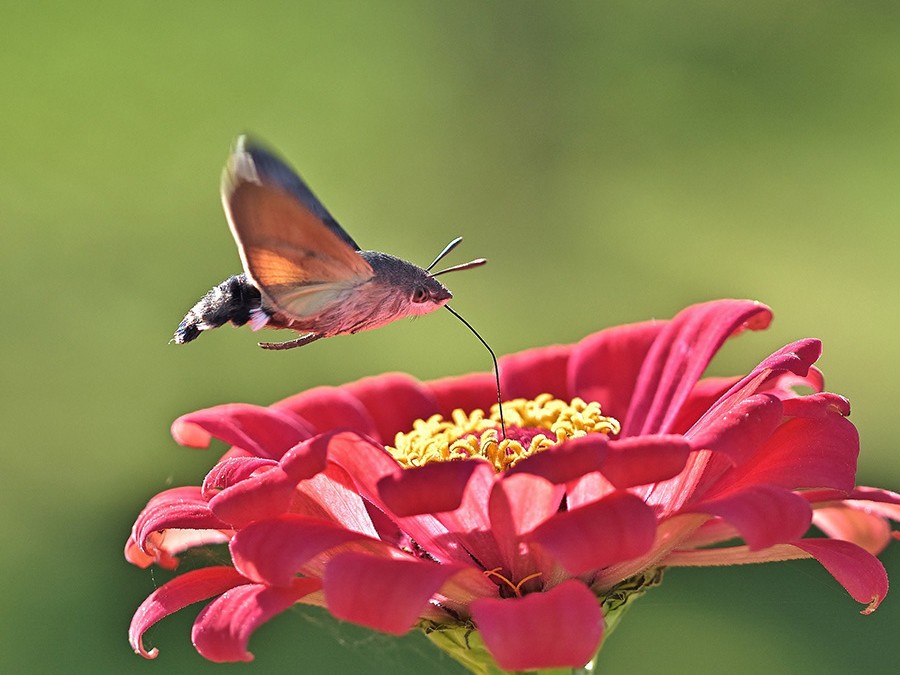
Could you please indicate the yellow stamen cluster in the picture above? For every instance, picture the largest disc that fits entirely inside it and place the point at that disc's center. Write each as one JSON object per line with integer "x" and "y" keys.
{"x": 474, "y": 435}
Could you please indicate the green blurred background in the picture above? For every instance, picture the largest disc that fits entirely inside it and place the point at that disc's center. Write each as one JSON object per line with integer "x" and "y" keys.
{"x": 615, "y": 162}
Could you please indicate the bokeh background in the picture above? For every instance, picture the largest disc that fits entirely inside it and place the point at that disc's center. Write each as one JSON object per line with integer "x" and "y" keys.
{"x": 615, "y": 161}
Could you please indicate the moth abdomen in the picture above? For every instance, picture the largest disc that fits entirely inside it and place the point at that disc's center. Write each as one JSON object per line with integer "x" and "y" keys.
{"x": 234, "y": 300}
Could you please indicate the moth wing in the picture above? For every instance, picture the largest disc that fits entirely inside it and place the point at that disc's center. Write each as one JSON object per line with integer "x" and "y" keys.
{"x": 290, "y": 246}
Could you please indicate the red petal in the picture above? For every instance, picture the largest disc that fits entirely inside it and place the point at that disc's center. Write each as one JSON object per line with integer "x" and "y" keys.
{"x": 268, "y": 493}
{"x": 567, "y": 461}
{"x": 679, "y": 356}
{"x": 366, "y": 463}
{"x": 263, "y": 432}
{"x": 273, "y": 551}
{"x": 560, "y": 628}
{"x": 536, "y": 371}
{"x": 616, "y": 528}
{"x": 382, "y": 593}
{"x": 763, "y": 514}
{"x": 817, "y": 406}
{"x": 394, "y": 401}
{"x": 740, "y": 428}
{"x": 470, "y": 523}
{"x": 467, "y": 392}
{"x": 432, "y": 488}
{"x": 261, "y": 496}
{"x": 704, "y": 394}
{"x": 330, "y": 408}
{"x": 604, "y": 366}
{"x": 224, "y": 627}
{"x": 517, "y": 505}
{"x": 804, "y": 453}
{"x": 180, "y": 592}
{"x": 869, "y": 531}
{"x": 231, "y": 471}
{"x": 642, "y": 460}
{"x": 858, "y": 571}
{"x": 178, "y": 508}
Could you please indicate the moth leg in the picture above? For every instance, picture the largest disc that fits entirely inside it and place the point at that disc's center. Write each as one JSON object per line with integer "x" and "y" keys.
{"x": 290, "y": 344}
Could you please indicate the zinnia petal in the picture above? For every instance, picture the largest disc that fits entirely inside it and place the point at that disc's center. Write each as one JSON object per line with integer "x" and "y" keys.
{"x": 329, "y": 408}
{"x": 804, "y": 453}
{"x": 567, "y": 461}
{"x": 433, "y": 488}
{"x": 616, "y": 528}
{"x": 465, "y": 392}
{"x": 561, "y": 627}
{"x": 382, "y": 593}
{"x": 858, "y": 571}
{"x": 224, "y": 627}
{"x": 536, "y": 371}
{"x": 178, "y": 593}
{"x": 268, "y": 493}
{"x": 641, "y": 460}
{"x": 517, "y": 505}
{"x": 178, "y": 508}
{"x": 273, "y": 551}
{"x": 679, "y": 356}
{"x": 605, "y": 366}
{"x": 263, "y": 432}
{"x": 763, "y": 514}
{"x": 394, "y": 401}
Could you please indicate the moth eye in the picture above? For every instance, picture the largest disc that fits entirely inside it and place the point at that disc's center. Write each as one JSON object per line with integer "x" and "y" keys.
{"x": 420, "y": 295}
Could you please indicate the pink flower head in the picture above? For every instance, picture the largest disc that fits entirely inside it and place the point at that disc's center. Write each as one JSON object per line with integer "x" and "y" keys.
{"x": 395, "y": 503}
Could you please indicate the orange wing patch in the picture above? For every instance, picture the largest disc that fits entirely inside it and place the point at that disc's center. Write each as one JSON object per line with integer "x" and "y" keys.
{"x": 281, "y": 242}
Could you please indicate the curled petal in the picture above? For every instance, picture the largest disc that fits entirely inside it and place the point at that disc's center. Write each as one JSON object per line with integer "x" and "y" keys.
{"x": 178, "y": 508}
{"x": 817, "y": 406}
{"x": 327, "y": 408}
{"x": 268, "y": 493}
{"x": 263, "y": 432}
{"x": 559, "y": 628}
{"x": 858, "y": 571}
{"x": 394, "y": 401}
{"x": 231, "y": 471}
{"x": 433, "y": 488}
{"x": 387, "y": 594}
{"x": 678, "y": 357}
{"x": 224, "y": 627}
{"x": 178, "y": 593}
{"x": 260, "y": 496}
{"x": 763, "y": 514}
{"x": 618, "y": 527}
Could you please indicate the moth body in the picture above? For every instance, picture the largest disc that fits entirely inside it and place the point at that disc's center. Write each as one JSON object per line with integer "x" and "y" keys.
{"x": 302, "y": 271}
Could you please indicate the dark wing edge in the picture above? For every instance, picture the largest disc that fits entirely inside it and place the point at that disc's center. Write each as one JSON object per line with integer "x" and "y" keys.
{"x": 270, "y": 168}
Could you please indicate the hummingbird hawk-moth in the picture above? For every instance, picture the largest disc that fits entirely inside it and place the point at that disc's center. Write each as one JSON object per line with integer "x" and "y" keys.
{"x": 302, "y": 271}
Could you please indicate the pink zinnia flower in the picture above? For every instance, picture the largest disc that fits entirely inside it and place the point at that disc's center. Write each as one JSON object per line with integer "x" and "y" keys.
{"x": 393, "y": 503}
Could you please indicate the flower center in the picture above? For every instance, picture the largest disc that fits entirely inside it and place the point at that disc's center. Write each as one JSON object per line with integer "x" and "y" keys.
{"x": 531, "y": 426}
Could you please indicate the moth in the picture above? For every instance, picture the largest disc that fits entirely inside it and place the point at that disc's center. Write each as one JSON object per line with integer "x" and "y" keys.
{"x": 302, "y": 271}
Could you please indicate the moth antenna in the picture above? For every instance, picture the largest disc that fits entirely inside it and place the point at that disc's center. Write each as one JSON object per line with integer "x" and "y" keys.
{"x": 493, "y": 358}
{"x": 478, "y": 262}
{"x": 449, "y": 247}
